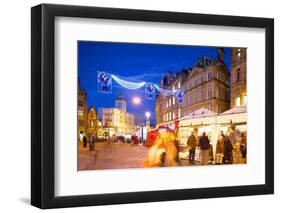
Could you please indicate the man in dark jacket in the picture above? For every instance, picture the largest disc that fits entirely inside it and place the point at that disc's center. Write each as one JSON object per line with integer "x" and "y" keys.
{"x": 228, "y": 148}
{"x": 84, "y": 141}
{"x": 204, "y": 143}
{"x": 191, "y": 143}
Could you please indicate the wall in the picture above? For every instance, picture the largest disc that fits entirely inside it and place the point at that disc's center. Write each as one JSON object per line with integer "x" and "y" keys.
{"x": 15, "y": 105}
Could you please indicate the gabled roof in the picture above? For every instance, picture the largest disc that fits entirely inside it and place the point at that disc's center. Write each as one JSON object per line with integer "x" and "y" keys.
{"x": 204, "y": 61}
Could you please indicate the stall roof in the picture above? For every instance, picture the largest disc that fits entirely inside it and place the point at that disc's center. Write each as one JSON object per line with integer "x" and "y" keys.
{"x": 200, "y": 113}
{"x": 235, "y": 110}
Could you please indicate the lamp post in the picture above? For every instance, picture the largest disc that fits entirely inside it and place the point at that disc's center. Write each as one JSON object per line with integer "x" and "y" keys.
{"x": 147, "y": 115}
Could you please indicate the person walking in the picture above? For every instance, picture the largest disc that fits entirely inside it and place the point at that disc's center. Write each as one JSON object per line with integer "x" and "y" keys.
{"x": 220, "y": 149}
{"x": 84, "y": 141}
{"x": 228, "y": 148}
{"x": 204, "y": 144}
{"x": 191, "y": 143}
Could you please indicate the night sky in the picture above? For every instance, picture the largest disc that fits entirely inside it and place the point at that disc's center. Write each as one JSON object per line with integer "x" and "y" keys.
{"x": 136, "y": 62}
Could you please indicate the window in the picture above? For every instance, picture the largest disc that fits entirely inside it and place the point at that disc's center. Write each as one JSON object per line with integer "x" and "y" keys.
{"x": 80, "y": 112}
{"x": 170, "y": 102}
{"x": 179, "y": 85}
{"x": 239, "y": 53}
{"x": 174, "y": 100}
{"x": 174, "y": 115}
{"x": 173, "y": 88}
{"x": 179, "y": 112}
{"x": 209, "y": 92}
{"x": 167, "y": 104}
{"x": 238, "y": 75}
{"x": 245, "y": 99}
{"x": 170, "y": 116}
{"x": 164, "y": 117}
{"x": 238, "y": 101}
{"x": 202, "y": 94}
{"x": 209, "y": 76}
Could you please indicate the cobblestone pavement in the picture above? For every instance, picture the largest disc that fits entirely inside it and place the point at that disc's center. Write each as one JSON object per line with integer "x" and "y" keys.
{"x": 112, "y": 156}
{"x": 115, "y": 156}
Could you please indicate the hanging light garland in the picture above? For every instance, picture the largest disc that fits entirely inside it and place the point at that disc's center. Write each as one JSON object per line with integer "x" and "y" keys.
{"x": 105, "y": 86}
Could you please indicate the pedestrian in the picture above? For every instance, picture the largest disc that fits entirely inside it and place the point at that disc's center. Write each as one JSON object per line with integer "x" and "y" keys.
{"x": 84, "y": 141}
{"x": 228, "y": 148}
{"x": 220, "y": 149}
{"x": 92, "y": 143}
{"x": 191, "y": 143}
{"x": 204, "y": 144}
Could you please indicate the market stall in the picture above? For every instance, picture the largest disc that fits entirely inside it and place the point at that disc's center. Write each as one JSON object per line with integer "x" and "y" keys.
{"x": 202, "y": 120}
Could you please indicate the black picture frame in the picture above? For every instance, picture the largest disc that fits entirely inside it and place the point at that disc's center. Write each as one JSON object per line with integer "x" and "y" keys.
{"x": 43, "y": 105}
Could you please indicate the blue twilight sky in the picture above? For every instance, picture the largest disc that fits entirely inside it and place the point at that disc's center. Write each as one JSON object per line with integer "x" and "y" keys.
{"x": 136, "y": 62}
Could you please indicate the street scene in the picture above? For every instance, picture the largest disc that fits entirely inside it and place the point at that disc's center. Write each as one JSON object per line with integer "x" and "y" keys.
{"x": 153, "y": 105}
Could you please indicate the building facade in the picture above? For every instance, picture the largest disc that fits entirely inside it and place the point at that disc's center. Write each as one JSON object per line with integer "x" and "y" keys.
{"x": 82, "y": 112}
{"x": 167, "y": 108}
{"x": 238, "y": 77}
{"x": 206, "y": 85}
{"x": 117, "y": 121}
{"x": 92, "y": 124}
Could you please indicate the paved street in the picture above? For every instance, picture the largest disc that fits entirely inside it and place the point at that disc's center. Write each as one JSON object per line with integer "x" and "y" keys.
{"x": 112, "y": 156}
{"x": 115, "y": 156}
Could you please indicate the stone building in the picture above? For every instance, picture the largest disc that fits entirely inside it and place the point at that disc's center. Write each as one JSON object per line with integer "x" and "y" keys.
{"x": 238, "y": 77}
{"x": 167, "y": 108}
{"x": 206, "y": 85}
{"x": 82, "y": 112}
{"x": 117, "y": 121}
{"x": 92, "y": 124}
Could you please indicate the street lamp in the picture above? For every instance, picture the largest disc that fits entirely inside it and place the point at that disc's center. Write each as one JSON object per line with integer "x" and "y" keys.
{"x": 147, "y": 115}
{"x": 136, "y": 100}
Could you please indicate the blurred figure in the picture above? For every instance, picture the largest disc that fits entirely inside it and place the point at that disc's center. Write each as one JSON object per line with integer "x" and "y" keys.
{"x": 191, "y": 143}
{"x": 204, "y": 144}
{"x": 220, "y": 149}
{"x": 171, "y": 150}
{"x": 84, "y": 141}
{"x": 228, "y": 148}
{"x": 163, "y": 152}
{"x": 156, "y": 154}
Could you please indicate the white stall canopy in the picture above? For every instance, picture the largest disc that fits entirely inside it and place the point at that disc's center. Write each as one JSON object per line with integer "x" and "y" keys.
{"x": 199, "y": 117}
{"x": 235, "y": 115}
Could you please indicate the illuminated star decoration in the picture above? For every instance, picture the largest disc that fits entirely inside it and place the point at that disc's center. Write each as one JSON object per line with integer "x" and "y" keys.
{"x": 104, "y": 82}
{"x": 149, "y": 91}
{"x": 180, "y": 95}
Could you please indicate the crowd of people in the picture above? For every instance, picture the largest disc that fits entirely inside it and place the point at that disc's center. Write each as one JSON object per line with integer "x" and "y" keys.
{"x": 230, "y": 149}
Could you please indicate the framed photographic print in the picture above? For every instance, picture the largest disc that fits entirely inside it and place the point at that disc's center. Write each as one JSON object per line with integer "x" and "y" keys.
{"x": 136, "y": 106}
